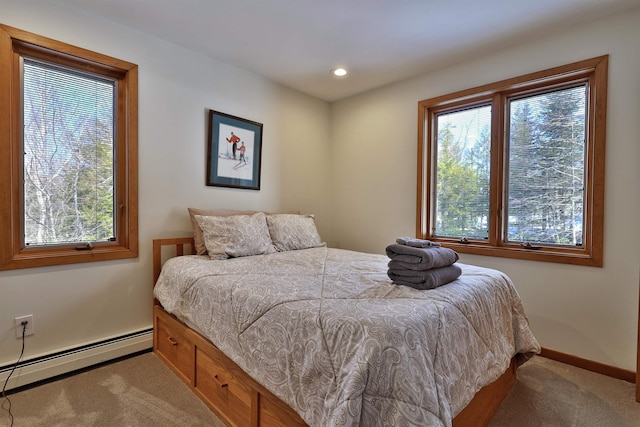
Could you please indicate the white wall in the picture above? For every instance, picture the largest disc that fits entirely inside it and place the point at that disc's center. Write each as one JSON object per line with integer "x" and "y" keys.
{"x": 587, "y": 312}
{"x": 78, "y": 304}
{"x": 352, "y": 164}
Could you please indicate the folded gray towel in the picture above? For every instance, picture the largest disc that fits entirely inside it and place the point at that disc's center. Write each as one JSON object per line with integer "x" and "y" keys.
{"x": 428, "y": 279}
{"x": 416, "y": 243}
{"x": 420, "y": 258}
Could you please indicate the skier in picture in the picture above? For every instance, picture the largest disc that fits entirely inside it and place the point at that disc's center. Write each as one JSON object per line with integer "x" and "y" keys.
{"x": 242, "y": 149}
{"x": 234, "y": 140}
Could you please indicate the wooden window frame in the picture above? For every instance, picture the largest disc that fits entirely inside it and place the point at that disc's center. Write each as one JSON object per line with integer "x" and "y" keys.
{"x": 593, "y": 71}
{"x": 13, "y": 253}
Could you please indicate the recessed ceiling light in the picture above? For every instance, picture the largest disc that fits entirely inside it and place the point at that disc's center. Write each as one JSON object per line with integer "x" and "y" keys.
{"x": 339, "y": 72}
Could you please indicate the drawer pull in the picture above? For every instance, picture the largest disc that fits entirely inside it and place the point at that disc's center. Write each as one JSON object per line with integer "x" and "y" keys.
{"x": 220, "y": 383}
{"x": 172, "y": 341}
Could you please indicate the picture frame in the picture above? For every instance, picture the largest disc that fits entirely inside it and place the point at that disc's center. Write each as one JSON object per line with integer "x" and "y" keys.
{"x": 234, "y": 152}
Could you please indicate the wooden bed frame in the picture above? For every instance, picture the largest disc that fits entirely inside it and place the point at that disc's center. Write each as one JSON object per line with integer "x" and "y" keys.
{"x": 236, "y": 397}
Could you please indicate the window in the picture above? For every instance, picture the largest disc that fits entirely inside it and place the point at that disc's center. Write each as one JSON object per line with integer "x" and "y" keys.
{"x": 68, "y": 154}
{"x": 516, "y": 168}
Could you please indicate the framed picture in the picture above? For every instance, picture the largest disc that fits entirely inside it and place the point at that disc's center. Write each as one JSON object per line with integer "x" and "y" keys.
{"x": 234, "y": 152}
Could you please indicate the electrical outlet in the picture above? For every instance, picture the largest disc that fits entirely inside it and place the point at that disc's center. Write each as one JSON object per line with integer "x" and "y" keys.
{"x": 30, "y": 329}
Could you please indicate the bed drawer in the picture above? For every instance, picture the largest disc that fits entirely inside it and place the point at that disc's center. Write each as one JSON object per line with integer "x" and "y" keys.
{"x": 172, "y": 343}
{"x": 225, "y": 391}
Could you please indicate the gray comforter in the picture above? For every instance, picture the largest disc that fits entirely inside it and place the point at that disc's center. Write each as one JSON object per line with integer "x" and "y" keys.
{"x": 328, "y": 333}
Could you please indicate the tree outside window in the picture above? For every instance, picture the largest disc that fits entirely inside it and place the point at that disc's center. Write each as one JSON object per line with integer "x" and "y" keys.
{"x": 68, "y": 156}
{"x": 516, "y": 168}
{"x": 68, "y": 153}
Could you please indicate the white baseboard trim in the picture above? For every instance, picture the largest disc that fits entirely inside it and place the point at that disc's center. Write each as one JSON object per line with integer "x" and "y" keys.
{"x": 64, "y": 362}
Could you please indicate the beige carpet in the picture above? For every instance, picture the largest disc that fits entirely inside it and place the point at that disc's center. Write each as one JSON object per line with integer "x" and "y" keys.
{"x": 552, "y": 394}
{"x": 141, "y": 391}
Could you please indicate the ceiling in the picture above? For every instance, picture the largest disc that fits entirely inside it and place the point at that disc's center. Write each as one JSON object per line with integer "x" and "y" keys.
{"x": 297, "y": 42}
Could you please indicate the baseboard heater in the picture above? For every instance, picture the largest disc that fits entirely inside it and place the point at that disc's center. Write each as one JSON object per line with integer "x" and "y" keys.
{"x": 63, "y": 362}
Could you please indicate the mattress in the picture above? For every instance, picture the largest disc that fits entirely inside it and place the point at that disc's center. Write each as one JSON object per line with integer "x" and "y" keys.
{"x": 326, "y": 331}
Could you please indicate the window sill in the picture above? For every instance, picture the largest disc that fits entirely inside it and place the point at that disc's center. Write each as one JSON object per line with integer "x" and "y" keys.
{"x": 542, "y": 254}
{"x": 32, "y": 257}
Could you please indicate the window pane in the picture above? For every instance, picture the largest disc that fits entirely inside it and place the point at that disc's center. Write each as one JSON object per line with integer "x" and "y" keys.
{"x": 545, "y": 202}
{"x": 68, "y": 155}
{"x": 462, "y": 175}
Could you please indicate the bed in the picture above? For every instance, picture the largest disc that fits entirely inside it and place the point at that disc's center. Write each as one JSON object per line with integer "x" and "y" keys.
{"x": 320, "y": 336}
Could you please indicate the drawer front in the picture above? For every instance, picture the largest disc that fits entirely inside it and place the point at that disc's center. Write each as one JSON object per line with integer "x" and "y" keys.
{"x": 173, "y": 345}
{"x": 222, "y": 389}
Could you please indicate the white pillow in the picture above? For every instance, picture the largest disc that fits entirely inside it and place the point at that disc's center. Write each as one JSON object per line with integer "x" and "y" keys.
{"x": 290, "y": 232}
{"x": 235, "y": 236}
{"x": 198, "y": 238}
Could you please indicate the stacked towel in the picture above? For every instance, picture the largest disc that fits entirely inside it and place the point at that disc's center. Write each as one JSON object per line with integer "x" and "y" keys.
{"x": 421, "y": 264}
{"x": 420, "y": 258}
{"x": 416, "y": 243}
{"x": 425, "y": 279}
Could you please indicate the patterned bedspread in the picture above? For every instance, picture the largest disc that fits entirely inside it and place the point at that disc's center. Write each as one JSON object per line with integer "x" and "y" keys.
{"x": 327, "y": 332}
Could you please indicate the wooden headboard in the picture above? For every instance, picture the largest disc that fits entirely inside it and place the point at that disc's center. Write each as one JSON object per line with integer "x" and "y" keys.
{"x": 177, "y": 243}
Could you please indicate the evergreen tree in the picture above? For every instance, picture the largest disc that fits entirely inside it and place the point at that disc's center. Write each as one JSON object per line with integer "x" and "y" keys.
{"x": 546, "y": 171}
{"x": 524, "y": 173}
{"x": 478, "y": 160}
{"x": 457, "y": 190}
{"x": 562, "y": 135}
